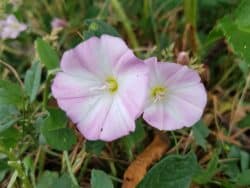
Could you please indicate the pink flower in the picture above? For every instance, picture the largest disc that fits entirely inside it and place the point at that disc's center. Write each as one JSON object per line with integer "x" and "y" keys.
{"x": 58, "y": 23}
{"x": 176, "y": 96}
{"x": 11, "y": 28}
{"x": 102, "y": 87}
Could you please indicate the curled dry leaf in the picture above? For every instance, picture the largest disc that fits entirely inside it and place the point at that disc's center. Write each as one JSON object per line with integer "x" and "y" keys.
{"x": 138, "y": 168}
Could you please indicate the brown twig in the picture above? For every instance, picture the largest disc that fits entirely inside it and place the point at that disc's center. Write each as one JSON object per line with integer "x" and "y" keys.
{"x": 140, "y": 165}
{"x": 13, "y": 71}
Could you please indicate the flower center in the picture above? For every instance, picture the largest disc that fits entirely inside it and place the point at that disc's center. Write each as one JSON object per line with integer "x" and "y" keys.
{"x": 158, "y": 93}
{"x": 112, "y": 84}
{"x": 15, "y": 26}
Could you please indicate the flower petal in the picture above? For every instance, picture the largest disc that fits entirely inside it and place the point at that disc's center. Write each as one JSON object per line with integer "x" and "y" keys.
{"x": 184, "y": 112}
{"x": 91, "y": 126}
{"x": 78, "y": 108}
{"x": 99, "y": 54}
{"x": 72, "y": 64}
{"x": 133, "y": 85}
{"x": 68, "y": 86}
{"x": 181, "y": 76}
{"x": 118, "y": 122}
{"x": 157, "y": 116}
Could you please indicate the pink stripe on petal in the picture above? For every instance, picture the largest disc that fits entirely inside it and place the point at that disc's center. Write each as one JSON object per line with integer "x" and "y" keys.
{"x": 67, "y": 86}
{"x": 118, "y": 122}
{"x": 78, "y": 108}
{"x": 91, "y": 126}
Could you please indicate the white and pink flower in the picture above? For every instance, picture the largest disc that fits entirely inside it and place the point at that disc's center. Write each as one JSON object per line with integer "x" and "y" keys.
{"x": 176, "y": 97}
{"x": 11, "y": 28}
{"x": 102, "y": 87}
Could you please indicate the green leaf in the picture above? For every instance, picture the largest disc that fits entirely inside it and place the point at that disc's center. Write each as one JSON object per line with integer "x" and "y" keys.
{"x": 236, "y": 38}
{"x": 205, "y": 175}
{"x": 94, "y": 147}
{"x": 171, "y": 172}
{"x": 242, "y": 16}
{"x": 54, "y": 129}
{"x": 10, "y": 93}
{"x": 200, "y": 132}
{"x": 4, "y": 168}
{"x": 9, "y": 137}
{"x": 243, "y": 178}
{"x": 97, "y": 28}
{"x": 32, "y": 80}
{"x": 100, "y": 179}
{"x": 47, "y": 54}
{"x": 64, "y": 182}
{"x": 214, "y": 36}
{"x": 134, "y": 138}
{"x": 50, "y": 179}
{"x": 244, "y": 160}
{"x": 245, "y": 122}
{"x": 232, "y": 169}
{"x": 47, "y": 179}
{"x": 9, "y": 115}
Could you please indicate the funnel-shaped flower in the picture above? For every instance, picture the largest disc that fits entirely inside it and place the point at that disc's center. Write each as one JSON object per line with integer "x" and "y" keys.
{"x": 176, "y": 97}
{"x": 102, "y": 87}
{"x": 11, "y": 28}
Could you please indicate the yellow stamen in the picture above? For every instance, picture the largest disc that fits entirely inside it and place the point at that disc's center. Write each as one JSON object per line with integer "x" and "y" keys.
{"x": 158, "y": 92}
{"x": 112, "y": 84}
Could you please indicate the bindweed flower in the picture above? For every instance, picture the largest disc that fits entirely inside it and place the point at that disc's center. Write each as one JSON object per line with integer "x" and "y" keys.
{"x": 58, "y": 23}
{"x": 11, "y": 28}
{"x": 102, "y": 87}
{"x": 176, "y": 96}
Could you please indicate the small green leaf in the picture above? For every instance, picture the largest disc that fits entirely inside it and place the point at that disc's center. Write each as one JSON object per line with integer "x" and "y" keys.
{"x": 9, "y": 115}
{"x": 171, "y": 172}
{"x": 94, "y": 147}
{"x": 50, "y": 179}
{"x": 64, "y": 182}
{"x": 242, "y": 15}
{"x": 100, "y": 179}
{"x": 231, "y": 168}
{"x": 10, "y": 93}
{"x": 236, "y": 38}
{"x": 244, "y": 160}
{"x": 200, "y": 132}
{"x": 245, "y": 122}
{"x": 243, "y": 178}
{"x": 47, "y": 179}
{"x": 4, "y": 168}
{"x": 134, "y": 138}
{"x": 9, "y": 137}
{"x": 54, "y": 129}
{"x": 97, "y": 28}
{"x": 205, "y": 175}
{"x": 47, "y": 54}
{"x": 32, "y": 80}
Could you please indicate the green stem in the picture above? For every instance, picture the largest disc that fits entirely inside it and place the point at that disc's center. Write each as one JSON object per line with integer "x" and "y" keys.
{"x": 112, "y": 167}
{"x": 126, "y": 23}
{"x": 66, "y": 157}
{"x": 12, "y": 179}
{"x": 190, "y": 11}
{"x": 84, "y": 167}
{"x": 175, "y": 142}
{"x": 17, "y": 165}
{"x": 46, "y": 91}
